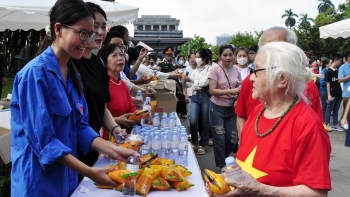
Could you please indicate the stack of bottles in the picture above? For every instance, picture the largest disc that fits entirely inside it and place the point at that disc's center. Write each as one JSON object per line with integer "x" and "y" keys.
{"x": 165, "y": 138}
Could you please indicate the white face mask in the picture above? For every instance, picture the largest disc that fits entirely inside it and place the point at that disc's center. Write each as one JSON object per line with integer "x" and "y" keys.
{"x": 242, "y": 61}
{"x": 199, "y": 61}
{"x": 126, "y": 57}
{"x": 181, "y": 62}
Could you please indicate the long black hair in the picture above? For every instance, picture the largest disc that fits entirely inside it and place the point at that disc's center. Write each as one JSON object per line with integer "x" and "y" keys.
{"x": 66, "y": 12}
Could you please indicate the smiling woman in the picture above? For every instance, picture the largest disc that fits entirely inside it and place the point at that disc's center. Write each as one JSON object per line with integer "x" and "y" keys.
{"x": 284, "y": 148}
{"x": 49, "y": 116}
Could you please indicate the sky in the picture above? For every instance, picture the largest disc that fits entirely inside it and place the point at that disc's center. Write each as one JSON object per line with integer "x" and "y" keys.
{"x": 211, "y": 18}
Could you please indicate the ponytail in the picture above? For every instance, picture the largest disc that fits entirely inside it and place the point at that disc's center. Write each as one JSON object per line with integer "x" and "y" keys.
{"x": 46, "y": 42}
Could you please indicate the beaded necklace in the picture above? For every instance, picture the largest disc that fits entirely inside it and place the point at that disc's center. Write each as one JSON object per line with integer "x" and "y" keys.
{"x": 115, "y": 82}
{"x": 276, "y": 123}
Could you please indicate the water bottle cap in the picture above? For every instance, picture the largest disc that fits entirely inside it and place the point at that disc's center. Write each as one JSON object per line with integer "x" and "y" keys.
{"x": 230, "y": 161}
{"x": 138, "y": 91}
{"x": 148, "y": 98}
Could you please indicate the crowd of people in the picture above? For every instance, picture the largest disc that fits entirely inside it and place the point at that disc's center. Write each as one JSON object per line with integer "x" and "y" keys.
{"x": 266, "y": 105}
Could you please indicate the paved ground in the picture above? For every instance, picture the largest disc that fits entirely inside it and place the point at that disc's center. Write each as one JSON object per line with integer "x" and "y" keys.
{"x": 339, "y": 164}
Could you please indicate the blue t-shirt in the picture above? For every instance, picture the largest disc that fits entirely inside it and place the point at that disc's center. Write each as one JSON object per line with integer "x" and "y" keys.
{"x": 49, "y": 119}
{"x": 323, "y": 83}
{"x": 344, "y": 71}
{"x": 127, "y": 71}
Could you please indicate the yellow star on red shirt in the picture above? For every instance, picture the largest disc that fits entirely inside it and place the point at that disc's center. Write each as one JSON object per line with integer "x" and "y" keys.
{"x": 247, "y": 165}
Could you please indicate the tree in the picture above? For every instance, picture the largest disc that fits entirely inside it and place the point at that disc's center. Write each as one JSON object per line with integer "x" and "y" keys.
{"x": 325, "y": 5}
{"x": 246, "y": 39}
{"x": 290, "y": 21}
{"x": 196, "y": 43}
{"x": 304, "y": 20}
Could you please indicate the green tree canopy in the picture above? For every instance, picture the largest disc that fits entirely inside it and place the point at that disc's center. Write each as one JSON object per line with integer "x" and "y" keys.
{"x": 246, "y": 39}
{"x": 304, "y": 20}
{"x": 290, "y": 21}
{"x": 325, "y": 5}
{"x": 196, "y": 43}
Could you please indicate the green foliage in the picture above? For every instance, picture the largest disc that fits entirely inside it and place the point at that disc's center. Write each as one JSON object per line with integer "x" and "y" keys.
{"x": 196, "y": 43}
{"x": 290, "y": 21}
{"x": 246, "y": 39}
{"x": 344, "y": 8}
{"x": 5, "y": 181}
{"x": 8, "y": 87}
{"x": 215, "y": 51}
{"x": 323, "y": 19}
{"x": 304, "y": 21}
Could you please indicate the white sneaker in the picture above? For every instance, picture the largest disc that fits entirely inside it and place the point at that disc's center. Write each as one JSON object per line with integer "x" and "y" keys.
{"x": 211, "y": 142}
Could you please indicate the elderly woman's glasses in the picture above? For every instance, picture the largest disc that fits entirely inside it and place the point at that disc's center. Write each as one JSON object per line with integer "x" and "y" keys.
{"x": 261, "y": 69}
{"x": 84, "y": 34}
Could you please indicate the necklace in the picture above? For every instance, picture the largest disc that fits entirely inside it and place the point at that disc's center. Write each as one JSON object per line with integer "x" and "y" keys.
{"x": 115, "y": 82}
{"x": 276, "y": 123}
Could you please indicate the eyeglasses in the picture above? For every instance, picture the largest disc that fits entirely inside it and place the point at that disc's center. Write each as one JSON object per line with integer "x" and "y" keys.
{"x": 261, "y": 69}
{"x": 84, "y": 34}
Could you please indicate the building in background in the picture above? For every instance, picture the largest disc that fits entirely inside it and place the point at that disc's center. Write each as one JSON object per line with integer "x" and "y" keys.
{"x": 158, "y": 32}
{"x": 223, "y": 39}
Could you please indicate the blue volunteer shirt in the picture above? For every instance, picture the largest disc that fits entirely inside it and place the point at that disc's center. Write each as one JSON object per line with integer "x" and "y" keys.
{"x": 344, "y": 71}
{"x": 48, "y": 120}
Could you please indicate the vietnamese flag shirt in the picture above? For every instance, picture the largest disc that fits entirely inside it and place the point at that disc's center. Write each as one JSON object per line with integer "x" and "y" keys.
{"x": 296, "y": 152}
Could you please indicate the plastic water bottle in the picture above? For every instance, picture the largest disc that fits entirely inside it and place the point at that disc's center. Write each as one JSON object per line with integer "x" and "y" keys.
{"x": 166, "y": 145}
{"x": 175, "y": 147}
{"x": 156, "y": 120}
{"x": 145, "y": 149}
{"x": 156, "y": 143}
{"x": 146, "y": 106}
{"x": 129, "y": 187}
{"x": 164, "y": 122}
{"x": 139, "y": 97}
{"x": 183, "y": 149}
{"x": 232, "y": 170}
{"x": 171, "y": 122}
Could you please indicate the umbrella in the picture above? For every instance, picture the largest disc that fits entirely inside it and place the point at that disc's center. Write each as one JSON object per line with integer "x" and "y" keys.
{"x": 34, "y": 14}
{"x": 336, "y": 30}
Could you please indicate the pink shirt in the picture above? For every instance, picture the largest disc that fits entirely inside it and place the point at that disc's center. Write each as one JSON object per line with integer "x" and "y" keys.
{"x": 217, "y": 74}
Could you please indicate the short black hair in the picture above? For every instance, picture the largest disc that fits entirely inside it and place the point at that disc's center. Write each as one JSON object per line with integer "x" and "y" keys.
{"x": 254, "y": 48}
{"x": 347, "y": 54}
{"x": 203, "y": 53}
{"x": 110, "y": 35}
{"x": 338, "y": 57}
{"x": 177, "y": 52}
{"x": 119, "y": 28}
{"x": 104, "y": 52}
{"x": 133, "y": 55}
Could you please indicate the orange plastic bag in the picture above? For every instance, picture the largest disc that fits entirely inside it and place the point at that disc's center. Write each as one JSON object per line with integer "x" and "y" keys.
{"x": 116, "y": 175}
{"x": 170, "y": 174}
{"x": 138, "y": 115}
{"x": 143, "y": 184}
{"x": 148, "y": 159}
{"x": 160, "y": 184}
{"x": 182, "y": 170}
{"x": 183, "y": 185}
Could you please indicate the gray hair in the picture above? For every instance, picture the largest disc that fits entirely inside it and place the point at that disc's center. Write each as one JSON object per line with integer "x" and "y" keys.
{"x": 289, "y": 35}
{"x": 283, "y": 59}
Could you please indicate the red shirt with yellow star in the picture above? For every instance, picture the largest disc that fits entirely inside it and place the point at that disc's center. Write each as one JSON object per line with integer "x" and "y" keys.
{"x": 297, "y": 152}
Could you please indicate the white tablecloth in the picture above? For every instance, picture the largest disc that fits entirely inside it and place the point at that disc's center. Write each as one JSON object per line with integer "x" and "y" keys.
{"x": 197, "y": 190}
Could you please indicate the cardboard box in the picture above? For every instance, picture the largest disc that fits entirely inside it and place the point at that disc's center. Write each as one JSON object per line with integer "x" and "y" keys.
{"x": 5, "y": 146}
{"x": 5, "y": 103}
{"x": 166, "y": 101}
{"x": 5, "y": 137}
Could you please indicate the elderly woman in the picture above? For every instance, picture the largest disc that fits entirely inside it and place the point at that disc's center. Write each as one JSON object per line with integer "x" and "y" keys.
{"x": 121, "y": 105}
{"x": 284, "y": 149}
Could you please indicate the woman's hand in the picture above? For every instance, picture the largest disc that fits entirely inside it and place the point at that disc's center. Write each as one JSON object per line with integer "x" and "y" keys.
{"x": 100, "y": 176}
{"x": 343, "y": 122}
{"x": 123, "y": 120}
{"x": 235, "y": 91}
{"x": 188, "y": 79}
{"x": 248, "y": 187}
{"x": 143, "y": 53}
{"x": 330, "y": 99}
{"x": 118, "y": 152}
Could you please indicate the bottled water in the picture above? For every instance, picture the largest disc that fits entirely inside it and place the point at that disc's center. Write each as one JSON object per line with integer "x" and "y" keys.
{"x": 175, "y": 147}
{"x": 166, "y": 145}
{"x": 156, "y": 120}
{"x": 171, "y": 122}
{"x": 140, "y": 98}
{"x": 232, "y": 170}
{"x": 145, "y": 149}
{"x": 129, "y": 187}
{"x": 146, "y": 106}
{"x": 183, "y": 149}
{"x": 164, "y": 122}
{"x": 156, "y": 143}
